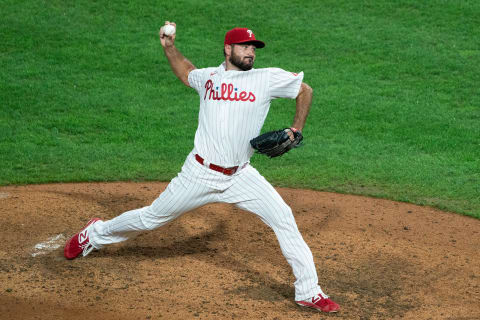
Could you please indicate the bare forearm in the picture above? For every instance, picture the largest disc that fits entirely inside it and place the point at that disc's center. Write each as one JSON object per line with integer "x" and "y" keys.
{"x": 180, "y": 65}
{"x": 303, "y": 103}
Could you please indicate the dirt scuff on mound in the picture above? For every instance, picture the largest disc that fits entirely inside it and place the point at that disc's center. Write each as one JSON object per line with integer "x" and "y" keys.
{"x": 378, "y": 259}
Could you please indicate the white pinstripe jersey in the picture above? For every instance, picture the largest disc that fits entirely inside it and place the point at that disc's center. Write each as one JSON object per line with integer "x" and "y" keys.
{"x": 233, "y": 108}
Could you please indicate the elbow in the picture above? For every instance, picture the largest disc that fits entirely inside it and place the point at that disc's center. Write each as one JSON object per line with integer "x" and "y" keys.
{"x": 184, "y": 76}
{"x": 305, "y": 89}
{"x": 185, "y": 81}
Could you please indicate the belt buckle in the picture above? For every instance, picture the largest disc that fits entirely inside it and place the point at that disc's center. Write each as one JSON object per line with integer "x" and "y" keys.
{"x": 229, "y": 171}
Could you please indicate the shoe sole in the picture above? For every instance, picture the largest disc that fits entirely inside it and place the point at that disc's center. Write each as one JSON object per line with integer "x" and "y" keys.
{"x": 316, "y": 309}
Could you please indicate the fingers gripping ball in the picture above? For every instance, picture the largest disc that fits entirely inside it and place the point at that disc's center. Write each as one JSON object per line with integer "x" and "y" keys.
{"x": 168, "y": 30}
{"x": 276, "y": 143}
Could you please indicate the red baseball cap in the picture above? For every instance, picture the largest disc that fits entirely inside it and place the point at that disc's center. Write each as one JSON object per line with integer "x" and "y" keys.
{"x": 242, "y": 35}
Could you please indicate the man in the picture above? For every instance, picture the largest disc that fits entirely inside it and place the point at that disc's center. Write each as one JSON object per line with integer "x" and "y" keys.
{"x": 234, "y": 102}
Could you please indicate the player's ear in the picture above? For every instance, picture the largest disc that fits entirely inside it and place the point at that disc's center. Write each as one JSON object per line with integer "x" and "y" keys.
{"x": 228, "y": 50}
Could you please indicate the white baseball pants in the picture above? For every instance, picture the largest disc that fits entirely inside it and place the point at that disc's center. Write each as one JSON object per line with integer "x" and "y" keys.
{"x": 197, "y": 185}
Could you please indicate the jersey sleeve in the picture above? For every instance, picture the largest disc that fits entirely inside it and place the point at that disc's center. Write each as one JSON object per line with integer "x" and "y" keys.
{"x": 284, "y": 84}
{"x": 195, "y": 79}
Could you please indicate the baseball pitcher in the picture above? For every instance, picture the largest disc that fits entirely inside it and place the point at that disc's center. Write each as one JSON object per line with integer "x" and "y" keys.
{"x": 234, "y": 102}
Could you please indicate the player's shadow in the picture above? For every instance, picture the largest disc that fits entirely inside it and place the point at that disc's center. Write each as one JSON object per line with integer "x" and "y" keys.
{"x": 204, "y": 247}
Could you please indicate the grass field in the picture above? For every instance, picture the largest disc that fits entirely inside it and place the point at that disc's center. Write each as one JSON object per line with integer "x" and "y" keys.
{"x": 86, "y": 93}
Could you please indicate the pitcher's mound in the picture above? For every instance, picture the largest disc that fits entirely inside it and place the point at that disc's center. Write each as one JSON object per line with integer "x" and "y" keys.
{"x": 378, "y": 259}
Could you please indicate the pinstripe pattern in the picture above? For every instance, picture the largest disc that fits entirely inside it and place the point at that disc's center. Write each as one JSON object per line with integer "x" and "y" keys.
{"x": 250, "y": 191}
{"x": 233, "y": 108}
{"x": 225, "y": 128}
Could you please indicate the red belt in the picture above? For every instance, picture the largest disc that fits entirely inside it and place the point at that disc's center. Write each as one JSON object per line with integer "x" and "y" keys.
{"x": 225, "y": 171}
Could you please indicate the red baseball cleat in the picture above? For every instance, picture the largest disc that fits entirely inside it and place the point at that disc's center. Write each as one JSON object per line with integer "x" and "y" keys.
{"x": 320, "y": 303}
{"x": 79, "y": 243}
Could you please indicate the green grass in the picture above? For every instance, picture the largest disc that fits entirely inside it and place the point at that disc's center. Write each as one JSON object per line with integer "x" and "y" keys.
{"x": 87, "y": 95}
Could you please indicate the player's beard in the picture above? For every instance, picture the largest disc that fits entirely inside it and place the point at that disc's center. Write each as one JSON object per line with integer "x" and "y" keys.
{"x": 244, "y": 63}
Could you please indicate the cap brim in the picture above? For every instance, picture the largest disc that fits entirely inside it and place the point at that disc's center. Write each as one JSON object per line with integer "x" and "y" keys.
{"x": 257, "y": 43}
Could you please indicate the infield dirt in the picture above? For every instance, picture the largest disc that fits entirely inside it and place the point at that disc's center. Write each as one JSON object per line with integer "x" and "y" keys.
{"x": 378, "y": 259}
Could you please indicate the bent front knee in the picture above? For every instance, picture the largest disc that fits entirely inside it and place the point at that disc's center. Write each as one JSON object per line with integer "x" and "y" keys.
{"x": 284, "y": 219}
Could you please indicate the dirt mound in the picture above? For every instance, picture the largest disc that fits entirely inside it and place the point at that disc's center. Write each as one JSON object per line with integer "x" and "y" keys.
{"x": 378, "y": 259}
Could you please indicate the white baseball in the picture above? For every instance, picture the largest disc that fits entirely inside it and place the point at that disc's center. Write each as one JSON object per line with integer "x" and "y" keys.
{"x": 168, "y": 30}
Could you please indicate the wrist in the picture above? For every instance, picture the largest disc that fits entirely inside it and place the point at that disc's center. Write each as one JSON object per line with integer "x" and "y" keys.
{"x": 168, "y": 46}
